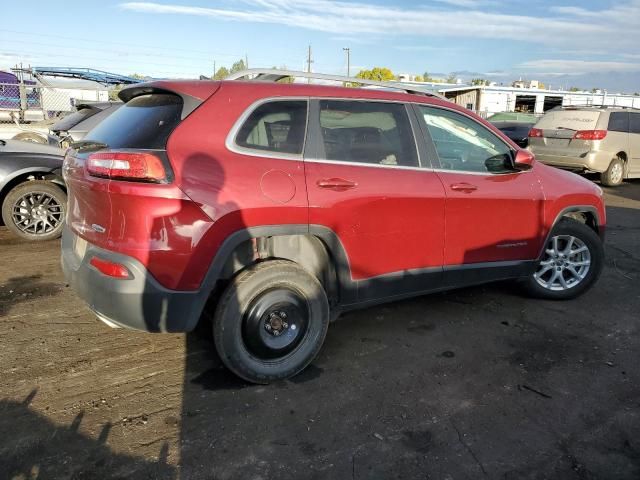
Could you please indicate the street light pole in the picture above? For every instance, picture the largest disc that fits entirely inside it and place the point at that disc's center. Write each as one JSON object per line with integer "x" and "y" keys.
{"x": 348, "y": 50}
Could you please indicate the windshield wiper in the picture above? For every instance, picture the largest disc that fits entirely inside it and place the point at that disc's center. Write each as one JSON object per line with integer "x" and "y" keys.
{"x": 84, "y": 145}
{"x": 566, "y": 128}
{"x": 2, "y": 142}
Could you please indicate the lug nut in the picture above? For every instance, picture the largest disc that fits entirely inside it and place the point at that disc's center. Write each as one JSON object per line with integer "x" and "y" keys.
{"x": 285, "y": 325}
{"x": 276, "y": 333}
{"x": 283, "y": 315}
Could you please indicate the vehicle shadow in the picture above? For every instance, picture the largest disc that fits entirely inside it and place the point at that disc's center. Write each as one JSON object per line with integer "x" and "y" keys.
{"x": 22, "y": 289}
{"x": 31, "y": 446}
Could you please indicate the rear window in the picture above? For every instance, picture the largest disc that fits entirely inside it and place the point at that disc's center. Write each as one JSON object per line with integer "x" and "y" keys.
{"x": 570, "y": 119}
{"x": 143, "y": 122}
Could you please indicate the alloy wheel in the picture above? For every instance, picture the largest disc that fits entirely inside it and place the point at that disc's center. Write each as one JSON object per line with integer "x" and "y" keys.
{"x": 566, "y": 263}
{"x": 37, "y": 213}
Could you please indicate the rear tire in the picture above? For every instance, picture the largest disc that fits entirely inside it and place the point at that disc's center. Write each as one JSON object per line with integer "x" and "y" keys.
{"x": 35, "y": 210}
{"x": 270, "y": 321}
{"x": 31, "y": 137}
{"x": 614, "y": 175}
{"x": 571, "y": 263}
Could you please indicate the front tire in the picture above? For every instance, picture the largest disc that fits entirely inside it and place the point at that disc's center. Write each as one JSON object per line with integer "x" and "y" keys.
{"x": 614, "y": 175}
{"x": 271, "y": 321}
{"x": 571, "y": 263}
{"x": 35, "y": 210}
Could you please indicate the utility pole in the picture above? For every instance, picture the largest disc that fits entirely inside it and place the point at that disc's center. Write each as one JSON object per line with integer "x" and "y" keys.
{"x": 246, "y": 61}
{"x": 309, "y": 62}
{"x": 348, "y": 50}
{"x": 214, "y": 70}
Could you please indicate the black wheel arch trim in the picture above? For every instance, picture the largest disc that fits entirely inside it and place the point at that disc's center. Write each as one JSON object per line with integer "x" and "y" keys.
{"x": 574, "y": 209}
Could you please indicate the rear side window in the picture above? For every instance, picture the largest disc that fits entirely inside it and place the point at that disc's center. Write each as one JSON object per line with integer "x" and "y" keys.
{"x": 277, "y": 126}
{"x": 618, "y": 122}
{"x": 143, "y": 122}
{"x": 634, "y": 122}
{"x": 367, "y": 132}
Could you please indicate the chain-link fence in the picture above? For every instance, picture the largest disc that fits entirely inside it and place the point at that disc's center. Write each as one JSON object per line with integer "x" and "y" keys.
{"x": 27, "y": 106}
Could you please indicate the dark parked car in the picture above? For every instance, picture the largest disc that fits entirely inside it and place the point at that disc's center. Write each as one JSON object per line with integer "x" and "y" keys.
{"x": 516, "y": 131}
{"x": 32, "y": 193}
{"x": 279, "y": 206}
{"x": 74, "y": 126}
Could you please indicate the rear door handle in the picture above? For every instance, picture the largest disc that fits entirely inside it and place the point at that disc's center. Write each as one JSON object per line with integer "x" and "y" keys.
{"x": 463, "y": 187}
{"x": 337, "y": 184}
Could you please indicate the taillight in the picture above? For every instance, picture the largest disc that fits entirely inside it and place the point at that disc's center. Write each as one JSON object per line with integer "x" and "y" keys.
{"x": 535, "y": 133}
{"x": 110, "y": 269}
{"x": 126, "y": 166}
{"x": 590, "y": 135}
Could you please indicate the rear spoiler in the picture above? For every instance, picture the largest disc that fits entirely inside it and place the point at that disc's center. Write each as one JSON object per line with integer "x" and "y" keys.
{"x": 193, "y": 93}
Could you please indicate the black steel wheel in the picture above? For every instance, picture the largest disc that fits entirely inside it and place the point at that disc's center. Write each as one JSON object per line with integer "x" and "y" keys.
{"x": 35, "y": 210}
{"x": 271, "y": 321}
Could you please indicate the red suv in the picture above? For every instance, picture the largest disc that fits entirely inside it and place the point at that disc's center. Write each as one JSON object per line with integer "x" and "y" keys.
{"x": 279, "y": 206}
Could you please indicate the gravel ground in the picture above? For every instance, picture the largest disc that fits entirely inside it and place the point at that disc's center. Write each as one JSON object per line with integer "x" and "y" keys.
{"x": 477, "y": 383}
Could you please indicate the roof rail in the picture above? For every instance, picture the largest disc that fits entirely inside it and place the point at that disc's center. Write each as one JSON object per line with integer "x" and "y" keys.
{"x": 274, "y": 75}
{"x": 584, "y": 105}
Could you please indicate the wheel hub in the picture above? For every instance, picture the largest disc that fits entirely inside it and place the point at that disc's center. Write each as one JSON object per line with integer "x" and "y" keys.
{"x": 275, "y": 323}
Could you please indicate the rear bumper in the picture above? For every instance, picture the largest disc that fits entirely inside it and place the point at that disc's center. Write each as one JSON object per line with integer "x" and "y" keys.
{"x": 139, "y": 303}
{"x": 590, "y": 162}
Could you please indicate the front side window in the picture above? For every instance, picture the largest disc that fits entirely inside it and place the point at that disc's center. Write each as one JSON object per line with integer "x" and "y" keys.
{"x": 619, "y": 122}
{"x": 277, "y": 126}
{"x": 367, "y": 132}
{"x": 465, "y": 145}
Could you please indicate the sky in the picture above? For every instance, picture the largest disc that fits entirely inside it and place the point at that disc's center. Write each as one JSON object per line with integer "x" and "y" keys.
{"x": 585, "y": 43}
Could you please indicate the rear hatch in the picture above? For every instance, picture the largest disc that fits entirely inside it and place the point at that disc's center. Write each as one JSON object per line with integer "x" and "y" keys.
{"x": 143, "y": 123}
{"x": 567, "y": 133}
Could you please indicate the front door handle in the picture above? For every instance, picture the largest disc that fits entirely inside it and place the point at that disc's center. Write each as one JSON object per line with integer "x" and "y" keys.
{"x": 337, "y": 184}
{"x": 463, "y": 187}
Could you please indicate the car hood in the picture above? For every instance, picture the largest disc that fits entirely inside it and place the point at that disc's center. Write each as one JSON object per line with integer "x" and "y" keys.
{"x": 17, "y": 146}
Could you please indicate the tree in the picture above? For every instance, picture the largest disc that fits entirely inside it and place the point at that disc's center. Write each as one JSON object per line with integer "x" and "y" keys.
{"x": 418, "y": 78}
{"x": 541, "y": 86}
{"x": 221, "y": 74}
{"x": 427, "y": 77}
{"x": 451, "y": 78}
{"x": 479, "y": 81}
{"x": 595, "y": 90}
{"x": 381, "y": 74}
{"x": 575, "y": 89}
{"x": 238, "y": 66}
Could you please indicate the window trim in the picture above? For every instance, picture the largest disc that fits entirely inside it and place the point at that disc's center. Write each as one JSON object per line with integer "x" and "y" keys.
{"x": 315, "y": 128}
{"x": 232, "y": 146}
{"x": 434, "y": 150}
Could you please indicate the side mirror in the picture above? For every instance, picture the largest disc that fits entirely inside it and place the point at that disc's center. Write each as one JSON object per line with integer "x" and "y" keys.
{"x": 524, "y": 160}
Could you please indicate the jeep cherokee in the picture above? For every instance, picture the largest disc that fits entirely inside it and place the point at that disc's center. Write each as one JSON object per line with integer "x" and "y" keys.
{"x": 278, "y": 206}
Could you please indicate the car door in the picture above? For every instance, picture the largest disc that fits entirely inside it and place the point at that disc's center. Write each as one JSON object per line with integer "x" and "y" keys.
{"x": 634, "y": 144}
{"x": 493, "y": 213}
{"x": 365, "y": 184}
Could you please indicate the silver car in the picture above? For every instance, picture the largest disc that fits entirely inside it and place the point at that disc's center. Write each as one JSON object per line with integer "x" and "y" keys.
{"x": 605, "y": 140}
